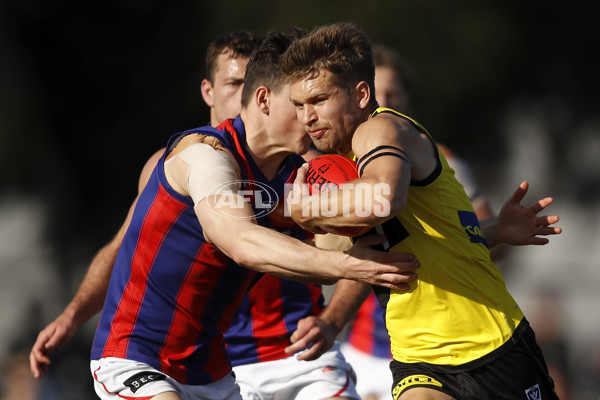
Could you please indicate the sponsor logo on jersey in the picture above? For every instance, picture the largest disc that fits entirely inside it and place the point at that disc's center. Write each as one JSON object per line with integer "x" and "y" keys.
{"x": 533, "y": 393}
{"x": 469, "y": 221}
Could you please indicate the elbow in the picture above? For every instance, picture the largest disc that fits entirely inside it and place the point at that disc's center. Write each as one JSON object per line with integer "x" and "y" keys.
{"x": 397, "y": 205}
{"x": 242, "y": 255}
{"x": 384, "y": 208}
{"x": 237, "y": 247}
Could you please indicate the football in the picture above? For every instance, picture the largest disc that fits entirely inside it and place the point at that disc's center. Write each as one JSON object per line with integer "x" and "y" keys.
{"x": 326, "y": 172}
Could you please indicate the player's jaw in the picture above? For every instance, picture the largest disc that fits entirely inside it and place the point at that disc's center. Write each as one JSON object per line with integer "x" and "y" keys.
{"x": 319, "y": 136}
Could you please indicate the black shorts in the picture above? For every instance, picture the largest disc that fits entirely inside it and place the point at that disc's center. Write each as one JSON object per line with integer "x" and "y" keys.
{"x": 518, "y": 373}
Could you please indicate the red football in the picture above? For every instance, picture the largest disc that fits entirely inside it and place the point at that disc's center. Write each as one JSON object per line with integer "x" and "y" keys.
{"x": 326, "y": 172}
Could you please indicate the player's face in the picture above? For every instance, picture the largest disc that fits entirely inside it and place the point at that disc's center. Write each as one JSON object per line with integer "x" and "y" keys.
{"x": 389, "y": 90}
{"x": 226, "y": 92}
{"x": 290, "y": 132}
{"x": 328, "y": 112}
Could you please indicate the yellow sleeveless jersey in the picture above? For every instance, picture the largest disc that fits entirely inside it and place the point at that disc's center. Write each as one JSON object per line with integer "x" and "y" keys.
{"x": 459, "y": 309}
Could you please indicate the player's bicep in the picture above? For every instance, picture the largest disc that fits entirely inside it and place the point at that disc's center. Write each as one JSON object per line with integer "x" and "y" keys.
{"x": 205, "y": 170}
{"x": 385, "y": 160}
{"x": 222, "y": 216}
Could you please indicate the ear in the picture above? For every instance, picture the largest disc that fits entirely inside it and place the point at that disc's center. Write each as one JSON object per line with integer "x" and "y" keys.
{"x": 207, "y": 92}
{"x": 262, "y": 99}
{"x": 363, "y": 94}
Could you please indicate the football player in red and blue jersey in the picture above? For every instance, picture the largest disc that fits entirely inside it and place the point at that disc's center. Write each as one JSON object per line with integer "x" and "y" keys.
{"x": 177, "y": 279}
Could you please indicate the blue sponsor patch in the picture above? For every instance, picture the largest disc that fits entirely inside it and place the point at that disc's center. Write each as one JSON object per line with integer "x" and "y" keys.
{"x": 469, "y": 221}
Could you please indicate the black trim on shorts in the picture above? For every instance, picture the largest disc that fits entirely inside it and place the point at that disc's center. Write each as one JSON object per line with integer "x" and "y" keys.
{"x": 518, "y": 373}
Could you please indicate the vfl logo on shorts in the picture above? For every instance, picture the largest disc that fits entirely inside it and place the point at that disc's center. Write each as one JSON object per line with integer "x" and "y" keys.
{"x": 413, "y": 380}
{"x": 469, "y": 221}
{"x": 533, "y": 393}
{"x": 140, "y": 379}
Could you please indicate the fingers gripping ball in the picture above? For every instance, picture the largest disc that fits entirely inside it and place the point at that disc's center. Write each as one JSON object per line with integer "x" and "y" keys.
{"x": 327, "y": 171}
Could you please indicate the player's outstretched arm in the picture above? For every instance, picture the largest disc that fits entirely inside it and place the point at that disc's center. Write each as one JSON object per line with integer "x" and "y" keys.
{"x": 197, "y": 167}
{"x": 89, "y": 298}
{"x": 87, "y": 301}
{"x": 518, "y": 225}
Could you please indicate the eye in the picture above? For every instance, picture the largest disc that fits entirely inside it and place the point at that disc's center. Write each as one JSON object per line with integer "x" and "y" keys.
{"x": 235, "y": 83}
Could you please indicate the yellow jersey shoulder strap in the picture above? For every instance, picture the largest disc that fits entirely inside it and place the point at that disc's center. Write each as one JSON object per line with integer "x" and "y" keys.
{"x": 384, "y": 110}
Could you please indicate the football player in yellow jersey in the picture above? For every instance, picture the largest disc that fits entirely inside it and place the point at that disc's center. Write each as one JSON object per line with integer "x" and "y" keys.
{"x": 458, "y": 333}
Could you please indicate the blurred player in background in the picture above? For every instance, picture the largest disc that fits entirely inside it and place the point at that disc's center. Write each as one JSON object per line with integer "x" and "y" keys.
{"x": 226, "y": 59}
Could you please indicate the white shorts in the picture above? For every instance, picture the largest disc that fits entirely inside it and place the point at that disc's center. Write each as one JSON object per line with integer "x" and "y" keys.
{"x": 118, "y": 378}
{"x": 291, "y": 379}
{"x": 373, "y": 374}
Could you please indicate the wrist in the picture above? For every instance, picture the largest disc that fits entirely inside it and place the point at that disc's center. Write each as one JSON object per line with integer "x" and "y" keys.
{"x": 333, "y": 324}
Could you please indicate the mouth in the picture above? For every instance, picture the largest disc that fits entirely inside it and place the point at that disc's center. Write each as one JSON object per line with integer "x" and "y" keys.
{"x": 316, "y": 133}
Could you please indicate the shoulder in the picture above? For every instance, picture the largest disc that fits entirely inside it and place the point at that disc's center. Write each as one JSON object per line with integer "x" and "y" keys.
{"x": 383, "y": 129}
{"x": 148, "y": 168}
{"x": 449, "y": 154}
{"x": 207, "y": 140}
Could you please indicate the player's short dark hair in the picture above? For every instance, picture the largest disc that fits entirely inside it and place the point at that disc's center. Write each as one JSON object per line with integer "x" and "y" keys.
{"x": 263, "y": 67}
{"x": 238, "y": 43}
{"x": 341, "y": 48}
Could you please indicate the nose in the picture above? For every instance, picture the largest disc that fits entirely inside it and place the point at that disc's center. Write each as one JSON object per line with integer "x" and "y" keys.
{"x": 309, "y": 115}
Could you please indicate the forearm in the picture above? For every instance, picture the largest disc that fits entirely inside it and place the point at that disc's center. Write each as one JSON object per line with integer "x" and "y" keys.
{"x": 345, "y": 302}
{"x": 285, "y": 257}
{"x": 489, "y": 227}
{"x": 235, "y": 233}
{"x": 90, "y": 295}
{"x": 364, "y": 203}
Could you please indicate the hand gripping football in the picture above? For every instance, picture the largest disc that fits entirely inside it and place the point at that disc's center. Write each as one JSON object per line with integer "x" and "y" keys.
{"x": 327, "y": 171}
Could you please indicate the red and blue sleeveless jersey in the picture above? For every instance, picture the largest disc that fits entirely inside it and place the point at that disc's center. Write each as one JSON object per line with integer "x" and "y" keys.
{"x": 271, "y": 309}
{"x": 269, "y": 314}
{"x": 172, "y": 295}
{"x": 368, "y": 332}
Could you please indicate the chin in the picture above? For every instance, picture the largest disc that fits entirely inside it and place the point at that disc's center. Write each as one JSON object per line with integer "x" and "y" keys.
{"x": 323, "y": 146}
{"x": 302, "y": 150}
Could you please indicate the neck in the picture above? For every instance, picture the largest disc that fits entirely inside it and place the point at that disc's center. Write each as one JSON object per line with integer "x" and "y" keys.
{"x": 365, "y": 115}
{"x": 370, "y": 111}
{"x": 267, "y": 155}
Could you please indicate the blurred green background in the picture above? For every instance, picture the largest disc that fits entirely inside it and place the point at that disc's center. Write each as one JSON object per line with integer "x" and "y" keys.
{"x": 88, "y": 91}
